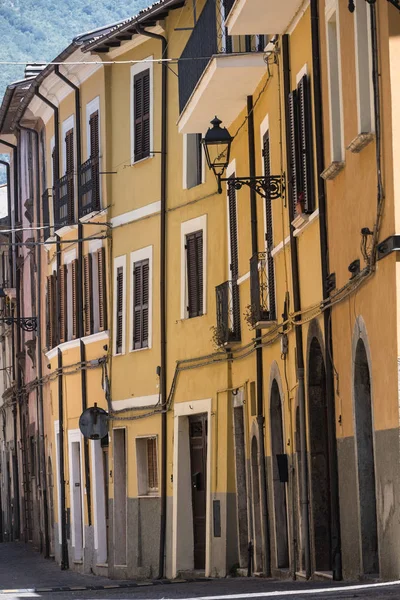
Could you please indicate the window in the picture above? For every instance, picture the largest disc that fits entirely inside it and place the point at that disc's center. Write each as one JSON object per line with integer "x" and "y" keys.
{"x": 147, "y": 466}
{"x": 193, "y": 160}
{"x": 193, "y": 267}
{"x": 194, "y": 263}
{"x": 141, "y": 304}
{"x": 62, "y": 303}
{"x": 301, "y": 168}
{"x": 363, "y": 66}
{"x": 94, "y": 292}
{"x": 334, "y": 81}
{"x": 69, "y": 171}
{"x": 141, "y": 115}
{"x": 119, "y": 304}
{"x": 87, "y": 294}
{"x": 94, "y": 155}
{"x": 51, "y": 311}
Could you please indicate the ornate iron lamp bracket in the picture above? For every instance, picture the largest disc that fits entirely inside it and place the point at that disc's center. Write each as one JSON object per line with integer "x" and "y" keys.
{"x": 271, "y": 187}
{"x": 26, "y": 323}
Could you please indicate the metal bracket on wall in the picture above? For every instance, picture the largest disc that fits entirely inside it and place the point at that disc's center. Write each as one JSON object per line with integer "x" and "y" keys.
{"x": 391, "y": 244}
{"x": 26, "y": 323}
{"x": 271, "y": 187}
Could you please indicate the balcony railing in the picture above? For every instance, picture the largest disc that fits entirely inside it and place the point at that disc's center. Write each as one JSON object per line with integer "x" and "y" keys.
{"x": 64, "y": 201}
{"x": 210, "y": 37}
{"x": 46, "y": 213}
{"x": 262, "y": 310}
{"x": 89, "y": 174}
{"x": 228, "y": 313}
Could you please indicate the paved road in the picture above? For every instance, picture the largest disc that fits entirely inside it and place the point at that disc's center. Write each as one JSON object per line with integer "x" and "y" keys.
{"x": 26, "y": 572}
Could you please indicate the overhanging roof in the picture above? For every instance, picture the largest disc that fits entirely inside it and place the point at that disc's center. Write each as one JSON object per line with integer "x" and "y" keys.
{"x": 248, "y": 17}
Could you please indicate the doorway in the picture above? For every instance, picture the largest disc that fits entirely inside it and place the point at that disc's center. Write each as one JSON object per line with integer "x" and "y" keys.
{"x": 279, "y": 488}
{"x": 120, "y": 493}
{"x": 319, "y": 459}
{"x": 76, "y": 498}
{"x": 365, "y": 461}
{"x": 255, "y": 488}
{"x": 100, "y": 497}
{"x": 198, "y": 469}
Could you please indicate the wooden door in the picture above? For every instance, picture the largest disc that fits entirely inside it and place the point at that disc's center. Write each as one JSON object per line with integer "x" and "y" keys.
{"x": 198, "y": 466}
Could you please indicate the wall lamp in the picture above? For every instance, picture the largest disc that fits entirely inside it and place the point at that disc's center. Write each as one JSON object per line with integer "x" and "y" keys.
{"x": 217, "y": 147}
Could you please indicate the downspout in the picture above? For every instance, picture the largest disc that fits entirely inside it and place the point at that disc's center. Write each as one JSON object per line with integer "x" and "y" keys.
{"x": 80, "y": 280}
{"x": 12, "y": 262}
{"x": 163, "y": 298}
{"x": 299, "y": 337}
{"x": 43, "y": 479}
{"x": 64, "y": 546}
{"x": 323, "y": 228}
{"x": 259, "y": 351}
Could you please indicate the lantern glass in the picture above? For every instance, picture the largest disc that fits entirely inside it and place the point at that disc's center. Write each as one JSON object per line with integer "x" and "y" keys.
{"x": 217, "y": 147}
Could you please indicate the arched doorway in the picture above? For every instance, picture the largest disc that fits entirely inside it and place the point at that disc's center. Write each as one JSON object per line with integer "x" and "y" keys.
{"x": 319, "y": 459}
{"x": 279, "y": 488}
{"x": 365, "y": 460}
{"x": 255, "y": 486}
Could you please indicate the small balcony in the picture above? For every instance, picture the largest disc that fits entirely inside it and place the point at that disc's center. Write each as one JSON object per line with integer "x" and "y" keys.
{"x": 220, "y": 84}
{"x": 250, "y": 16}
{"x": 261, "y": 313}
{"x": 64, "y": 201}
{"x": 227, "y": 329}
{"x": 89, "y": 174}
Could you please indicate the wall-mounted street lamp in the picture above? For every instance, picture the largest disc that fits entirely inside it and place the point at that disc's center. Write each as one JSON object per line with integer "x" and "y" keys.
{"x": 26, "y": 323}
{"x": 217, "y": 147}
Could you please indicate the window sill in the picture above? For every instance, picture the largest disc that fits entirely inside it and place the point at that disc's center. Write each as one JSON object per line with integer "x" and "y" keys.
{"x": 137, "y": 162}
{"x": 359, "y": 142}
{"x": 66, "y": 229}
{"x": 49, "y": 243}
{"x": 333, "y": 170}
{"x": 151, "y": 495}
{"x": 186, "y": 318}
{"x": 95, "y": 213}
{"x": 133, "y": 350}
{"x": 306, "y": 222}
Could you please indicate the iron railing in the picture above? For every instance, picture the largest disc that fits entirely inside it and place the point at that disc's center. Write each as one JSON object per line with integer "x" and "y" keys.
{"x": 210, "y": 37}
{"x": 228, "y": 313}
{"x": 64, "y": 201}
{"x": 89, "y": 174}
{"x": 46, "y": 213}
{"x": 262, "y": 290}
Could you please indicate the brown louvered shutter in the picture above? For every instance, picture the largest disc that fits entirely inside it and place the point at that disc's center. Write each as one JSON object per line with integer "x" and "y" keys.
{"x": 53, "y": 311}
{"x": 141, "y": 304}
{"x": 194, "y": 261}
{"x": 294, "y": 188}
{"x": 305, "y": 144}
{"x": 74, "y": 293}
{"x": 270, "y": 233}
{"x": 102, "y": 288}
{"x": 120, "y": 310}
{"x": 48, "y": 314}
{"x": 141, "y": 95}
{"x": 69, "y": 151}
{"x": 234, "y": 264}
{"x": 62, "y": 302}
{"x": 88, "y": 294}
{"x": 94, "y": 154}
{"x": 152, "y": 470}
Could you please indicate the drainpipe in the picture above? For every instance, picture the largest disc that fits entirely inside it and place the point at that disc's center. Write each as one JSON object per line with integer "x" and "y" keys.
{"x": 323, "y": 228}
{"x": 64, "y": 547}
{"x": 259, "y": 352}
{"x": 163, "y": 297}
{"x": 42, "y": 452}
{"x": 299, "y": 337}
{"x": 80, "y": 279}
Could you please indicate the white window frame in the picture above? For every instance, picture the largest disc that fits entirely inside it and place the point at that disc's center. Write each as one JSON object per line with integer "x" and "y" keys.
{"x": 69, "y": 257}
{"x": 66, "y": 126}
{"x": 119, "y": 261}
{"x": 147, "y": 63}
{"x": 335, "y": 95}
{"x": 91, "y": 107}
{"x": 363, "y": 61}
{"x": 142, "y": 469}
{"x": 197, "y": 224}
{"x": 137, "y": 255}
{"x": 185, "y": 164}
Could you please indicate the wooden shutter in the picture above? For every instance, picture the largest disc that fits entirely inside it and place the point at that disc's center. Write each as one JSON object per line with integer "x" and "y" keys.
{"x": 233, "y": 232}
{"x": 74, "y": 293}
{"x": 270, "y": 233}
{"x": 199, "y": 158}
{"x": 305, "y": 144}
{"x": 62, "y": 302}
{"x": 51, "y": 311}
{"x": 94, "y": 155}
{"x": 120, "y": 310}
{"x": 94, "y": 134}
{"x": 152, "y": 470}
{"x": 69, "y": 152}
{"x": 102, "y": 288}
{"x": 294, "y": 188}
{"x": 141, "y": 99}
{"x": 141, "y": 304}
{"x": 194, "y": 261}
{"x": 88, "y": 294}
{"x": 49, "y": 331}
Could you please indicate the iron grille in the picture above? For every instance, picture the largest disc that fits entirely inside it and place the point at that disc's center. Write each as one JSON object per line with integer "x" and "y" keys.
{"x": 210, "y": 37}
{"x": 89, "y": 174}
{"x": 64, "y": 201}
{"x": 228, "y": 313}
{"x": 262, "y": 294}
